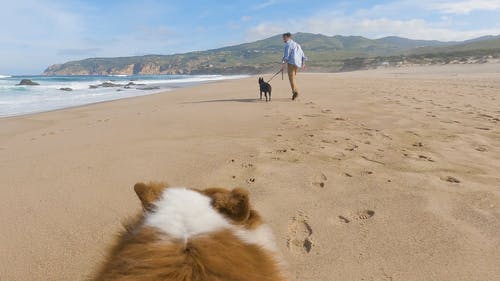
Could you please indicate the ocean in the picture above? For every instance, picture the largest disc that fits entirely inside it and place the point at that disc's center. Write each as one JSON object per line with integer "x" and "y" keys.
{"x": 19, "y": 100}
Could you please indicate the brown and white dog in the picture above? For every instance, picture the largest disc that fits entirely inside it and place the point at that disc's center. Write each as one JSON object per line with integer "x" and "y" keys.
{"x": 199, "y": 235}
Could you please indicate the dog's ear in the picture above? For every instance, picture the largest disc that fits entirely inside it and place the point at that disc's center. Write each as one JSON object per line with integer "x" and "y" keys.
{"x": 149, "y": 193}
{"x": 234, "y": 204}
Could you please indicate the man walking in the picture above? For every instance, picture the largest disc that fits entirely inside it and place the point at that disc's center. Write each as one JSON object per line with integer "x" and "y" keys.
{"x": 295, "y": 59}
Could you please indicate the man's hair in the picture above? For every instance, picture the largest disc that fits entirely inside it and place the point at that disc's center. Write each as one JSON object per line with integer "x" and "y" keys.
{"x": 288, "y": 34}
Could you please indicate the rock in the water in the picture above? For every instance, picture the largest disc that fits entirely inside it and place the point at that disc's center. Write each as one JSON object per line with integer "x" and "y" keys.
{"x": 105, "y": 85}
{"x": 66, "y": 89}
{"x": 109, "y": 85}
{"x": 130, "y": 84}
{"x": 27, "y": 82}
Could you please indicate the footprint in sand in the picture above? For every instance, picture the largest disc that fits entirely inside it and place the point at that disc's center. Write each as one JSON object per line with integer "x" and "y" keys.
{"x": 357, "y": 216}
{"x": 418, "y": 144}
{"x": 250, "y": 180}
{"x": 49, "y": 133}
{"x": 482, "y": 148}
{"x": 320, "y": 180}
{"x": 299, "y": 239}
{"x": 366, "y": 173}
{"x": 423, "y": 157}
{"x": 351, "y": 147}
{"x": 451, "y": 179}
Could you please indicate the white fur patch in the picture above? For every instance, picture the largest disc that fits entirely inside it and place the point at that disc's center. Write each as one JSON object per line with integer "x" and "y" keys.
{"x": 183, "y": 213}
{"x": 262, "y": 236}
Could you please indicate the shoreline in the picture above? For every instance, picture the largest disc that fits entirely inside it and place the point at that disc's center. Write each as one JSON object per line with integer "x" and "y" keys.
{"x": 163, "y": 91}
{"x": 33, "y": 114}
{"x": 491, "y": 68}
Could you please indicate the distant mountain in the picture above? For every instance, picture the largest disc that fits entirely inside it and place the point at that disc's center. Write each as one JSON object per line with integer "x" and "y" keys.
{"x": 486, "y": 43}
{"x": 405, "y": 43}
{"x": 483, "y": 38}
{"x": 325, "y": 53}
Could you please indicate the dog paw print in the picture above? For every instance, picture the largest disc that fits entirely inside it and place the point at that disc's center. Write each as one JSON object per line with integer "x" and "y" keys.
{"x": 250, "y": 180}
{"x": 320, "y": 180}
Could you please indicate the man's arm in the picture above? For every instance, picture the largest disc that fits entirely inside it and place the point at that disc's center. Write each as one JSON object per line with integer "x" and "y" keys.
{"x": 304, "y": 58}
{"x": 286, "y": 56}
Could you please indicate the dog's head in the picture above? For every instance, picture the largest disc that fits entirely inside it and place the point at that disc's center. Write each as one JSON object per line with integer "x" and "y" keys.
{"x": 261, "y": 80}
{"x": 232, "y": 206}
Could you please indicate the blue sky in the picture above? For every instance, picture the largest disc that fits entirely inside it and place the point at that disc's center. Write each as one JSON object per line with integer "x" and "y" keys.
{"x": 37, "y": 33}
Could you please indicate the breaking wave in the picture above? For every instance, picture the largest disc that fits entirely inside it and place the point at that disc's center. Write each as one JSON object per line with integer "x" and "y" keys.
{"x": 18, "y": 100}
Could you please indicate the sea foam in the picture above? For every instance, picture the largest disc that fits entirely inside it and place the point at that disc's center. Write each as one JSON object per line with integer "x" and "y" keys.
{"x": 18, "y": 100}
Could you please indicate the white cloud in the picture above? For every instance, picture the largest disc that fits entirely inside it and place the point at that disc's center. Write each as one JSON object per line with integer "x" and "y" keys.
{"x": 32, "y": 32}
{"x": 246, "y": 18}
{"x": 465, "y": 6}
{"x": 144, "y": 32}
{"x": 79, "y": 52}
{"x": 265, "y": 29}
{"x": 413, "y": 28}
{"x": 372, "y": 24}
{"x": 265, "y": 4}
{"x": 51, "y": 21}
{"x": 36, "y": 34}
{"x": 233, "y": 25}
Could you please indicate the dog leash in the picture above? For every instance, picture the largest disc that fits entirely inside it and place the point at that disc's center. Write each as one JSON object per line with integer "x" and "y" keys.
{"x": 281, "y": 70}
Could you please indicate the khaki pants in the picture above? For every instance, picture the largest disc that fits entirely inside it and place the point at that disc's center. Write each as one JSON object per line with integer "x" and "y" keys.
{"x": 292, "y": 73}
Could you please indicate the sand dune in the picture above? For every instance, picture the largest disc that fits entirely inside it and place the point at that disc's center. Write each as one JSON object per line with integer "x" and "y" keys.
{"x": 375, "y": 175}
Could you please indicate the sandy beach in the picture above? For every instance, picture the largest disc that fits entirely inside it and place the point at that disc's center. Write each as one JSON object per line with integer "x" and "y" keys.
{"x": 389, "y": 174}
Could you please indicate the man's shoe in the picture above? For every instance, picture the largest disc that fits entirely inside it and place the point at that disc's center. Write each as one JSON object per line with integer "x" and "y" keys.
{"x": 295, "y": 95}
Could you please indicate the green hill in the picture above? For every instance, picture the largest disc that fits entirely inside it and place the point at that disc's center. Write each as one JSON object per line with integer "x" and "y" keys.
{"x": 325, "y": 53}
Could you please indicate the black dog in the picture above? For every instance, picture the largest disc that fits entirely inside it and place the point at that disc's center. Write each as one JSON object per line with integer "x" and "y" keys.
{"x": 265, "y": 88}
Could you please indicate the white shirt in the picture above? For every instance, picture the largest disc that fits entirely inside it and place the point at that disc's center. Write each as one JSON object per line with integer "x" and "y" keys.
{"x": 293, "y": 54}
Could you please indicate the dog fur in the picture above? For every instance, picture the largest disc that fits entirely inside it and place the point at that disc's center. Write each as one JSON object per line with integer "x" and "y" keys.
{"x": 265, "y": 88}
{"x": 193, "y": 235}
